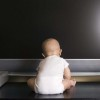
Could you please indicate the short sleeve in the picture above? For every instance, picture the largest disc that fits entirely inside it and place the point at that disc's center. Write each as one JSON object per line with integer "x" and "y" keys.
{"x": 37, "y": 69}
{"x": 66, "y": 64}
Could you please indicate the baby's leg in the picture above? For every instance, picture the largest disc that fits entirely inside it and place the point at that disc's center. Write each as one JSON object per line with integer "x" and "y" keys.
{"x": 31, "y": 83}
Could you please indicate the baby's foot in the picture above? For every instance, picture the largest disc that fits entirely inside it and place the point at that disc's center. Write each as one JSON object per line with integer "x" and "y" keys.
{"x": 73, "y": 82}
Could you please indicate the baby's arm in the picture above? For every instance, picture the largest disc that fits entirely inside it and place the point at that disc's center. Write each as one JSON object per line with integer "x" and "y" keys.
{"x": 67, "y": 73}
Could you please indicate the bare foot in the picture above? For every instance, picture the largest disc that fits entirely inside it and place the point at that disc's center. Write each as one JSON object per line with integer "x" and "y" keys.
{"x": 73, "y": 82}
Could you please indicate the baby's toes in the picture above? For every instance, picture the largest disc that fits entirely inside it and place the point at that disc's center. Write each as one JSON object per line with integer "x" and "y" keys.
{"x": 74, "y": 83}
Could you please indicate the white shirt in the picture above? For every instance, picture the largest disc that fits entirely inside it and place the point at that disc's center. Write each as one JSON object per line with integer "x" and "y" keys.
{"x": 50, "y": 75}
{"x": 52, "y": 66}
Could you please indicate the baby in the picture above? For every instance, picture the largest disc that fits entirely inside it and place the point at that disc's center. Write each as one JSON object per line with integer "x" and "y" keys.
{"x": 54, "y": 75}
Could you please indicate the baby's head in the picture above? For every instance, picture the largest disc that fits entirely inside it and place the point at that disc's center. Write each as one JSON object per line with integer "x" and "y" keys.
{"x": 51, "y": 47}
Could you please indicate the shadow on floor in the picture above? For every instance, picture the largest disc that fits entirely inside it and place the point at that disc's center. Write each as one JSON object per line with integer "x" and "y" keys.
{"x": 67, "y": 94}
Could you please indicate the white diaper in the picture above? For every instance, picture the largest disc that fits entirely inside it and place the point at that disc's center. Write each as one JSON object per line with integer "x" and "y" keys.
{"x": 48, "y": 85}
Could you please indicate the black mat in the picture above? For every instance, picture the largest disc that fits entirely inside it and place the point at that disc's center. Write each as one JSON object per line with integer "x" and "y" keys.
{"x": 22, "y": 91}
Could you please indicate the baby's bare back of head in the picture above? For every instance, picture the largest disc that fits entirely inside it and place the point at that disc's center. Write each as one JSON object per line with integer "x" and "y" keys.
{"x": 50, "y": 46}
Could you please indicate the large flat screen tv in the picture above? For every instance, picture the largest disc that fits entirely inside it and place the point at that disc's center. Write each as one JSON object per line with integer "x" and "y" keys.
{"x": 24, "y": 24}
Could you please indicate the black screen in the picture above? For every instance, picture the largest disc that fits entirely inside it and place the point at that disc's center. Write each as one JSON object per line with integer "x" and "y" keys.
{"x": 24, "y": 24}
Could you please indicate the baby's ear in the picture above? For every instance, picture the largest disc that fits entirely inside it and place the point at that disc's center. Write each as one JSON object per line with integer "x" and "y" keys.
{"x": 60, "y": 51}
{"x": 43, "y": 55}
